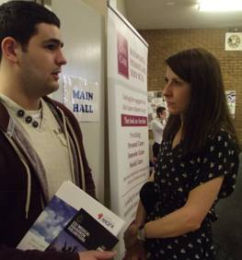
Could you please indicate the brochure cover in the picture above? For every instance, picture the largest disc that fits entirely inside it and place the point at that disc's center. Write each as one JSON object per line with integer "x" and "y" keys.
{"x": 83, "y": 233}
{"x": 73, "y": 221}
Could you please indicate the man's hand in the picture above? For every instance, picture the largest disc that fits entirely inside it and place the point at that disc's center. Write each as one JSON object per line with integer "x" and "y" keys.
{"x": 130, "y": 236}
{"x": 96, "y": 255}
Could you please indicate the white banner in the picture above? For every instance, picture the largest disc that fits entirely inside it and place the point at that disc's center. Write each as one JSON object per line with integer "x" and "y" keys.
{"x": 82, "y": 98}
{"x": 128, "y": 115}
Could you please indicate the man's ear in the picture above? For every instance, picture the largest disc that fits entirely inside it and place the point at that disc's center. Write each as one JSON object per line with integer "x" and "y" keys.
{"x": 10, "y": 49}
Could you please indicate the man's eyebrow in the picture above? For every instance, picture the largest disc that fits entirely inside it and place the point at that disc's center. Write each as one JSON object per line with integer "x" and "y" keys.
{"x": 55, "y": 41}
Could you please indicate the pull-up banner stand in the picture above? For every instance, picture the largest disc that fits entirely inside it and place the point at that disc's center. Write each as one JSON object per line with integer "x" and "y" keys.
{"x": 127, "y": 115}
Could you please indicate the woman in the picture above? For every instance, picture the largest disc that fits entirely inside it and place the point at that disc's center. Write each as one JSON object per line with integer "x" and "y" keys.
{"x": 197, "y": 165}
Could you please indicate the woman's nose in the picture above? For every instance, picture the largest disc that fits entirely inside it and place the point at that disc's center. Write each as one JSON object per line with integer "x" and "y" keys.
{"x": 166, "y": 90}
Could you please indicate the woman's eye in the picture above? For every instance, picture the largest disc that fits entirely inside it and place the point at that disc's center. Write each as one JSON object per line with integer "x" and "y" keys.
{"x": 177, "y": 82}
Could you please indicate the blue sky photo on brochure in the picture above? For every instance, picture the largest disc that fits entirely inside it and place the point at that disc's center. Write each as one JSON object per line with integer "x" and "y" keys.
{"x": 53, "y": 219}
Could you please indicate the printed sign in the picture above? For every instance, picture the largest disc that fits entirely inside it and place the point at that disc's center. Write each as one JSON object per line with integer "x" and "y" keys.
{"x": 82, "y": 98}
{"x": 128, "y": 111}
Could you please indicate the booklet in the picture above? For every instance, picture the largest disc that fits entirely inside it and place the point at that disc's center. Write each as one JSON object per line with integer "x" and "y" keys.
{"x": 73, "y": 221}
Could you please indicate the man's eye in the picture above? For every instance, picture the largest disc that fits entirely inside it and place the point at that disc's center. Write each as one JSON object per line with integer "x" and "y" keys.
{"x": 50, "y": 47}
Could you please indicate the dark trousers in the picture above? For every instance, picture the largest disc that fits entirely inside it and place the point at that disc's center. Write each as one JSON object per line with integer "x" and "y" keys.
{"x": 156, "y": 149}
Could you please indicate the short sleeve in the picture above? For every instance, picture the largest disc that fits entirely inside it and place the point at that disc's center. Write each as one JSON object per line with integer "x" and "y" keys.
{"x": 219, "y": 159}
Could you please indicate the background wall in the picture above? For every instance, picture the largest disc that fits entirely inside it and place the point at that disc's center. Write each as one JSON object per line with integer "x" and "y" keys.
{"x": 163, "y": 43}
{"x": 100, "y": 6}
{"x": 82, "y": 32}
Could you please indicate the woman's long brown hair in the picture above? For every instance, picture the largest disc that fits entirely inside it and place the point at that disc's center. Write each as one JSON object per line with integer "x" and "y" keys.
{"x": 208, "y": 110}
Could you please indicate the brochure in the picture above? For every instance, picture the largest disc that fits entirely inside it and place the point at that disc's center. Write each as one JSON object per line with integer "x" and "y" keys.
{"x": 73, "y": 221}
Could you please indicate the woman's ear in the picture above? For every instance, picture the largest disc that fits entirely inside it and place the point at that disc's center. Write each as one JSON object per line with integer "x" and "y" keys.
{"x": 10, "y": 49}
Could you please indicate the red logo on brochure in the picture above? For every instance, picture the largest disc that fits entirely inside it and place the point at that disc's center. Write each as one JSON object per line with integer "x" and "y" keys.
{"x": 106, "y": 221}
{"x": 100, "y": 215}
{"x": 123, "y": 56}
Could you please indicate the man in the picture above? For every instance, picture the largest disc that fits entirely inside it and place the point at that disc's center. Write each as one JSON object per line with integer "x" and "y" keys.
{"x": 40, "y": 140}
{"x": 157, "y": 126}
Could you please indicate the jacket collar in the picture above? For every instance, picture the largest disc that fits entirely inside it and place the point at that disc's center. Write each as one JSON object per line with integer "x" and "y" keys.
{"x": 4, "y": 117}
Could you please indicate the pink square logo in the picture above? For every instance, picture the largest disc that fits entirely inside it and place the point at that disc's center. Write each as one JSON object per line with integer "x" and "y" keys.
{"x": 123, "y": 56}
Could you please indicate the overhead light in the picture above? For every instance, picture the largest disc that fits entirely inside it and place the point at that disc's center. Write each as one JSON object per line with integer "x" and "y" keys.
{"x": 220, "y": 5}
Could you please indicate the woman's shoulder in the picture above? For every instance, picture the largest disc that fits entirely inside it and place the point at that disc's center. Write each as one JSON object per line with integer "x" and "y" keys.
{"x": 221, "y": 137}
{"x": 221, "y": 144}
{"x": 221, "y": 149}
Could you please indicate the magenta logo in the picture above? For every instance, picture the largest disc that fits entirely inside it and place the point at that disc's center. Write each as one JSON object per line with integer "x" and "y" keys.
{"x": 123, "y": 56}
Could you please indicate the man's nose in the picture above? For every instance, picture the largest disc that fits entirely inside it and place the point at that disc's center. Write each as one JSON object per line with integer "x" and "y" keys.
{"x": 61, "y": 58}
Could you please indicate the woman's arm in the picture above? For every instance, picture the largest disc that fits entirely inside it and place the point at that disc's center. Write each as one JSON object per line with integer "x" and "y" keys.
{"x": 140, "y": 215}
{"x": 190, "y": 216}
{"x": 130, "y": 235}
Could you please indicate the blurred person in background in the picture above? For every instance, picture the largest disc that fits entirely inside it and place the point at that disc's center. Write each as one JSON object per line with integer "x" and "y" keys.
{"x": 157, "y": 127}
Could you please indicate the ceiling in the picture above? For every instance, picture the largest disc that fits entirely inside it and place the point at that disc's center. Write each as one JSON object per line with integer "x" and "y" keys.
{"x": 167, "y": 14}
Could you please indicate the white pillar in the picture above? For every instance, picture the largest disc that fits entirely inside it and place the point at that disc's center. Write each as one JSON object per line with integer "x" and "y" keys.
{"x": 113, "y": 3}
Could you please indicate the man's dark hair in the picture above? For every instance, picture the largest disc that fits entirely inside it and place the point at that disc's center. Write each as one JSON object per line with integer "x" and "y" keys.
{"x": 160, "y": 110}
{"x": 18, "y": 19}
